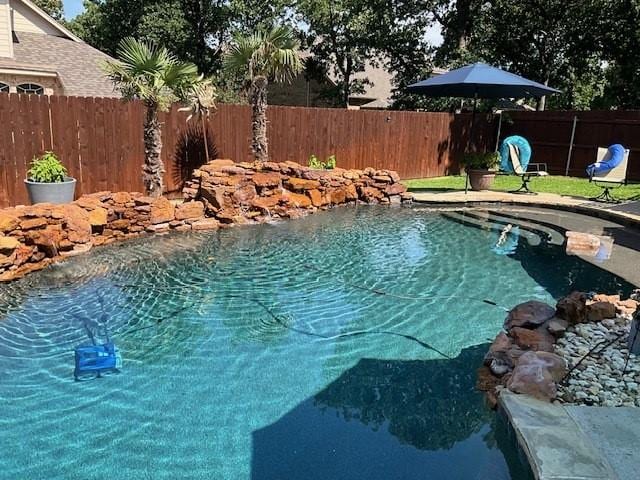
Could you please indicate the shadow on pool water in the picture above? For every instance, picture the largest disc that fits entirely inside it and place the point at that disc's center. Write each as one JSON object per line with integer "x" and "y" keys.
{"x": 391, "y": 419}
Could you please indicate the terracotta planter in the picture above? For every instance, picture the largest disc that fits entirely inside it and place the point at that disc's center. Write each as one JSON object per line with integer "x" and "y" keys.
{"x": 481, "y": 179}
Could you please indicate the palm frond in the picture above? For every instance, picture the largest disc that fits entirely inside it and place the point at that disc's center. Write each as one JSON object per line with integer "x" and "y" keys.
{"x": 273, "y": 54}
{"x": 239, "y": 57}
{"x": 149, "y": 73}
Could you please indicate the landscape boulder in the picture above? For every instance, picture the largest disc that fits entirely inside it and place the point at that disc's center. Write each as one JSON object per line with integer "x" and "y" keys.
{"x": 537, "y": 340}
{"x": 162, "y": 211}
{"x": 529, "y": 314}
{"x": 536, "y": 374}
{"x": 573, "y": 307}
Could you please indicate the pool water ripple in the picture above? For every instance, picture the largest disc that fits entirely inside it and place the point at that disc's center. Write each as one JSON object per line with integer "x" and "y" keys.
{"x": 342, "y": 346}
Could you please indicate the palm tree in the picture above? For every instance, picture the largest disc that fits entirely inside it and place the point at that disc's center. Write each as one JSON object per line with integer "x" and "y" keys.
{"x": 259, "y": 58}
{"x": 157, "y": 78}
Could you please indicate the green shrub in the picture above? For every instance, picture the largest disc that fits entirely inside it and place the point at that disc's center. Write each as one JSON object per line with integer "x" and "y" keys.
{"x": 330, "y": 164}
{"x": 481, "y": 160}
{"x": 47, "y": 169}
{"x": 316, "y": 163}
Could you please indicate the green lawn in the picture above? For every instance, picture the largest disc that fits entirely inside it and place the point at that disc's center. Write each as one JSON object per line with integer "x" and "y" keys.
{"x": 576, "y": 187}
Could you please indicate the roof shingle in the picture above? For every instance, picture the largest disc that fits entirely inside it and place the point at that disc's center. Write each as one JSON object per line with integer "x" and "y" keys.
{"x": 76, "y": 63}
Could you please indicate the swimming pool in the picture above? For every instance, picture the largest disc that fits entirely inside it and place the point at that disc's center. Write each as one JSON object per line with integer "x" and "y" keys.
{"x": 340, "y": 346}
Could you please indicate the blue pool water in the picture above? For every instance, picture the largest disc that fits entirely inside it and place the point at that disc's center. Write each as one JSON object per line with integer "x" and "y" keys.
{"x": 340, "y": 346}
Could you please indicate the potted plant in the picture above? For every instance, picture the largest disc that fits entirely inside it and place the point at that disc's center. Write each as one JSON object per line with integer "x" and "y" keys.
{"x": 47, "y": 181}
{"x": 480, "y": 166}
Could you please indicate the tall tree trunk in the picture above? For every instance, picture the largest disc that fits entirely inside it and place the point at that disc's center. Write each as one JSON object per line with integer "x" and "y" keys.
{"x": 153, "y": 169}
{"x": 346, "y": 94}
{"x": 258, "y": 99}
{"x": 542, "y": 101}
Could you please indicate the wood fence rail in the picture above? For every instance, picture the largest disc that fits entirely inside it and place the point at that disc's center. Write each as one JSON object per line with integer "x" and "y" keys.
{"x": 100, "y": 140}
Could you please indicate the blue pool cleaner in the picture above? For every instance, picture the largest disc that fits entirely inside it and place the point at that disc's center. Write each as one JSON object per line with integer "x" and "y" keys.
{"x": 96, "y": 359}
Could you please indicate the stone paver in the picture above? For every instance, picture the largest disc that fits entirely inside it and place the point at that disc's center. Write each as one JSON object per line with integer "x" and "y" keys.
{"x": 556, "y": 447}
{"x": 616, "y": 433}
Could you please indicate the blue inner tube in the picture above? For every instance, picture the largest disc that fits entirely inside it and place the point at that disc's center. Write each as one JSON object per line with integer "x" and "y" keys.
{"x": 616, "y": 155}
{"x": 523, "y": 147}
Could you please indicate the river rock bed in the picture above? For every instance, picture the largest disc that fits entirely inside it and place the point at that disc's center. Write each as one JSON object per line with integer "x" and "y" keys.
{"x": 610, "y": 375}
{"x": 574, "y": 353}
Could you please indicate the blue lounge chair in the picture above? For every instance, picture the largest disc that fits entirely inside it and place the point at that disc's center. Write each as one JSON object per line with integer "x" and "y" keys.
{"x": 609, "y": 171}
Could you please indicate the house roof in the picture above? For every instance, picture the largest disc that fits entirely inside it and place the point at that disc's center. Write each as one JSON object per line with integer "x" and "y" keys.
{"x": 76, "y": 63}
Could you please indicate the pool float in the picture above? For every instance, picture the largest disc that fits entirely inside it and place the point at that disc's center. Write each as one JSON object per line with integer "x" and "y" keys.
{"x": 515, "y": 163}
{"x": 616, "y": 155}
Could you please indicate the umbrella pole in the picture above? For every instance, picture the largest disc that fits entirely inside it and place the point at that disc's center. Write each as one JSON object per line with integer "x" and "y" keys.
{"x": 499, "y": 130}
{"x": 473, "y": 121}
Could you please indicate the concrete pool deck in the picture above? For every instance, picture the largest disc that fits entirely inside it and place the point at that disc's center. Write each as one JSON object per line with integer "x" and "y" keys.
{"x": 575, "y": 442}
{"x": 611, "y": 211}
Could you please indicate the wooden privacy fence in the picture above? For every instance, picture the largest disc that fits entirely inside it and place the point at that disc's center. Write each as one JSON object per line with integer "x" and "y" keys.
{"x": 567, "y": 151}
{"x": 100, "y": 140}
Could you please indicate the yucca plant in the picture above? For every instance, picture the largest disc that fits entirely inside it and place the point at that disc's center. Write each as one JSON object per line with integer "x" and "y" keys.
{"x": 153, "y": 75}
{"x": 200, "y": 102}
{"x": 260, "y": 58}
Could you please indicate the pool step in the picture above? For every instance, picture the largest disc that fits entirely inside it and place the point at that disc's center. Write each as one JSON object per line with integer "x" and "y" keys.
{"x": 464, "y": 218}
{"x": 555, "y": 233}
{"x": 533, "y": 231}
{"x": 551, "y": 235}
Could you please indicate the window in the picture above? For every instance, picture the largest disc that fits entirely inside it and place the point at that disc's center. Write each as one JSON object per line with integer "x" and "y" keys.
{"x": 4, "y": 88}
{"x": 30, "y": 88}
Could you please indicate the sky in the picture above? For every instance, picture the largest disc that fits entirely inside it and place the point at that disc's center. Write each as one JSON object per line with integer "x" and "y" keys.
{"x": 74, "y": 7}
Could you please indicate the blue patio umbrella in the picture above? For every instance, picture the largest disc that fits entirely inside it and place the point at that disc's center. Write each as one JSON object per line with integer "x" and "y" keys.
{"x": 480, "y": 81}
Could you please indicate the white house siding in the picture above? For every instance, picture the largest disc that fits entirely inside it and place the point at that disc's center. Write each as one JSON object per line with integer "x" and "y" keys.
{"x": 26, "y": 20}
{"x": 6, "y": 42}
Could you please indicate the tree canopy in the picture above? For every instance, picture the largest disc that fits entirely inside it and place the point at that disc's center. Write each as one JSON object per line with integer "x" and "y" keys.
{"x": 586, "y": 48}
{"x": 52, "y": 7}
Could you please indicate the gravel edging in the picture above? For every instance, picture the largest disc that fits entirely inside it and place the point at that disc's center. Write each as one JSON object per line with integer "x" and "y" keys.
{"x": 610, "y": 375}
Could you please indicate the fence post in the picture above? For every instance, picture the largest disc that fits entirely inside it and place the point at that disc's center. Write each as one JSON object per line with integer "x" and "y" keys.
{"x": 573, "y": 134}
{"x": 53, "y": 148}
